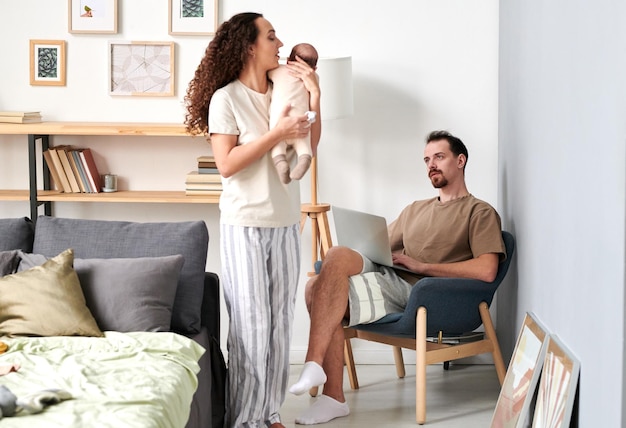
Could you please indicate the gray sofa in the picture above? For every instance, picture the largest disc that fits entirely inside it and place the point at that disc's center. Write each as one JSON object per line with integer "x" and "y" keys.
{"x": 196, "y": 307}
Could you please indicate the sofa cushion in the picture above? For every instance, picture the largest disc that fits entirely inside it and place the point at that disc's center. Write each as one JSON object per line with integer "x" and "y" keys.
{"x": 17, "y": 234}
{"x": 117, "y": 239}
{"x": 135, "y": 294}
{"x": 45, "y": 301}
{"x": 8, "y": 262}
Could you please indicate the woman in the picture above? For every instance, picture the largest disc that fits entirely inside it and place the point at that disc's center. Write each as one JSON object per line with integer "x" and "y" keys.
{"x": 228, "y": 99}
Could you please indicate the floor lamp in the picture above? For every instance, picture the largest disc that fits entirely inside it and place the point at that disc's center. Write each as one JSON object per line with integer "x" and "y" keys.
{"x": 335, "y": 77}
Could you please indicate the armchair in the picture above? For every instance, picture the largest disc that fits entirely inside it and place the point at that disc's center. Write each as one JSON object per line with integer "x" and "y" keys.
{"x": 437, "y": 309}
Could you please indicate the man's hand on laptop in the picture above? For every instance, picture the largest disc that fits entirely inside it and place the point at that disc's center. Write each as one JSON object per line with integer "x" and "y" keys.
{"x": 406, "y": 261}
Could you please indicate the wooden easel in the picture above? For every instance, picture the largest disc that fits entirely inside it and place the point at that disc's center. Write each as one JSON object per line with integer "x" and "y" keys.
{"x": 320, "y": 233}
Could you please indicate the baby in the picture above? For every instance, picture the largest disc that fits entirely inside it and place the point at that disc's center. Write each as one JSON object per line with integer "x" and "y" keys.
{"x": 290, "y": 90}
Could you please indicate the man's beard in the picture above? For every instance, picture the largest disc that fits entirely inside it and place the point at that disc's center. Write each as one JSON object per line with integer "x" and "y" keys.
{"x": 439, "y": 181}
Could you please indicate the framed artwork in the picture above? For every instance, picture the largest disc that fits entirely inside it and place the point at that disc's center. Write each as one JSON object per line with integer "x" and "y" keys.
{"x": 92, "y": 16}
{"x": 47, "y": 62}
{"x": 520, "y": 382}
{"x": 141, "y": 68}
{"x": 192, "y": 17}
{"x": 557, "y": 388}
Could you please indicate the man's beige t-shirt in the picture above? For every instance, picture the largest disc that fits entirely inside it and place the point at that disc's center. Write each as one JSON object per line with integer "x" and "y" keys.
{"x": 454, "y": 231}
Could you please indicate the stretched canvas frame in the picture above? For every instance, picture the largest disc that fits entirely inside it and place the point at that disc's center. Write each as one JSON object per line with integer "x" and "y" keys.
{"x": 92, "y": 16}
{"x": 513, "y": 405}
{"x": 557, "y": 388}
{"x": 192, "y": 17}
{"x": 47, "y": 62}
{"x": 141, "y": 68}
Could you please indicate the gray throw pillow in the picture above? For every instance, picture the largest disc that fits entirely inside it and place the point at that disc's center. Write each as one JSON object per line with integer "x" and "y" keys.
{"x": 125, "y": 294}
{"x": 17, "y": 234}
{"x": 99, "y": 239}
{"x": 8, "y": 262}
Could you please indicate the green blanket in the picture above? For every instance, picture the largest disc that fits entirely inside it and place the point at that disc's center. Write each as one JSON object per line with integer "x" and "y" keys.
{"x": 138, "y": 380}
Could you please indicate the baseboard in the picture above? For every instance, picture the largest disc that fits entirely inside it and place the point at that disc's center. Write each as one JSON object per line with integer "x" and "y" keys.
{"x": 385, "y": 356}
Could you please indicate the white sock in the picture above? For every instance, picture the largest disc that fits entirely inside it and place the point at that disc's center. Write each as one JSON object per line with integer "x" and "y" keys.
{"x": 323, "y": 410}
{"x": 312, "y": 375}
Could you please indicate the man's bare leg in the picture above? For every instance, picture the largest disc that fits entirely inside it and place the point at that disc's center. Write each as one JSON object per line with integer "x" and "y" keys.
{"x": 327, "y": 301}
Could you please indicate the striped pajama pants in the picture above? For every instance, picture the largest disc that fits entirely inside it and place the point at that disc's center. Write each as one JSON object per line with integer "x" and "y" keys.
{"x": 260, "y": 269}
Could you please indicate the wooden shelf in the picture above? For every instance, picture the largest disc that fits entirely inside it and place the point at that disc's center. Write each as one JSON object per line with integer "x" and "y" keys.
{"x": 96, "y": 128}
{"x": 142, "y": 196}
{"x": 14, "y": 195}
{"x": 136, "y": 196}
{"x": 43, "y": 130}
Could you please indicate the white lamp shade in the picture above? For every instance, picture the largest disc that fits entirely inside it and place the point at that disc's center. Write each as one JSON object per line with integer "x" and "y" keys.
{"x": 335, "y": 77}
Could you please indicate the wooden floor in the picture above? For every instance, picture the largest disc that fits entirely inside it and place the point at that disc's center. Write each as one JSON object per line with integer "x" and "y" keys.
{"x": 462, "y": 397}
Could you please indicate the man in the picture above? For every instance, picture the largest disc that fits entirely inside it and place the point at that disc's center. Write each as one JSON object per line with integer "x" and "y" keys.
{"x": 452, "y": 235}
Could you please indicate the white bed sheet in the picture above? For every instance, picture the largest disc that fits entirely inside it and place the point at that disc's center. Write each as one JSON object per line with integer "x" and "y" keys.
{"x": 141, "y": 379}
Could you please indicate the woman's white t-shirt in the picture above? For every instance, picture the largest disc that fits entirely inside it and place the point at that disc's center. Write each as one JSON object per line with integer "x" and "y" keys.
{"x": 254, "y": 196}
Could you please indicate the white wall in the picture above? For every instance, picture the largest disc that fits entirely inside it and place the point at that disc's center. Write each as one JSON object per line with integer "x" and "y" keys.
{"x": 418, "y": 66}
{"x": 562, "y": 180}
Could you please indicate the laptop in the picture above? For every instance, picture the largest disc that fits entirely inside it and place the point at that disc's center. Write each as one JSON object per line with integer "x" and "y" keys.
{"x": 365, "y": 233}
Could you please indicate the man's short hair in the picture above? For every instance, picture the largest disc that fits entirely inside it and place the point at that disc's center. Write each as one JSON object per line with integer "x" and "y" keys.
{"x": 456, "y": 145}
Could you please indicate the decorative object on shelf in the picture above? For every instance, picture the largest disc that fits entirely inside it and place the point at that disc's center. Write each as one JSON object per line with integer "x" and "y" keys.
{"x": 47, "y": 62}
{"x": 521, "y": 379}
{"x": 92, "y": 16}
{"x": 335, "y": 76}
{"x": 141, "y": 68}
{"x": 557, "y": 387}
{"x": 110, "y": 183}
{"x": 192, "y": 17}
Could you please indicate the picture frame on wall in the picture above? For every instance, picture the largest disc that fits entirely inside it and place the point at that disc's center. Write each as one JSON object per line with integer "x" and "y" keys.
{"x": 47, "y": 62}
{"x": 92, "y": 16}
{"x": 192, "y": 17}
{"x": 557, "y": 387}
{"x": 141, "y": 68}
{"x": 513, "y": 408}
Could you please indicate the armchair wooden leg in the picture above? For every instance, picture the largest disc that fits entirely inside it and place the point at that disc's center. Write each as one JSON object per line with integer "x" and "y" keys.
{"x": 349, "y": 360}
{"x": 420, "y": 366}
{"x": 490, "y": 333}
{"x": 399, "y": 359}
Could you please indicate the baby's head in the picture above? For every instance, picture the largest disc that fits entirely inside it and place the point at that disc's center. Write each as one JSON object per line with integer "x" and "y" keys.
{"x": 305, "y": 51}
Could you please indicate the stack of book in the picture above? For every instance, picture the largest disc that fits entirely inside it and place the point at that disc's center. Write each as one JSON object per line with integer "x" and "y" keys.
{"x": 73, "y": 170}
{"x": 206, "y": 180}
{"x": 20, "y": 116}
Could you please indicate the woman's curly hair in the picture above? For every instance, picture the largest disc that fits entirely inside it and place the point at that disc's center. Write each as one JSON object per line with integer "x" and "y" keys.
{"x": 222, "y": 63}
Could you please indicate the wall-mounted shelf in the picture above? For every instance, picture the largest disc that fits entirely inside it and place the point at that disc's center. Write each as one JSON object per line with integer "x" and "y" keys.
{"x": 43, "y": 130}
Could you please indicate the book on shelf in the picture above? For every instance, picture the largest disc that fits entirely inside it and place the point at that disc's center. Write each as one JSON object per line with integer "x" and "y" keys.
{"x": 203, "y": 192}
{"x": 56, "y": 180}
{"x": 20, "y": 116}
{"x": 206, "y": 162}
{"x": 63, "y": 184}
{"x": 20, "y": 119}
{"x": 67, "y": 167}
{"x": 95, "y": 181}
{"x": 17, "y": 113}
{"x": 206, "y": 170}
{"x": 196, "y": 177}
{"x": 74, "y": 165}
{"x": 203, "y": 186}
{"x": 79, "y": 170}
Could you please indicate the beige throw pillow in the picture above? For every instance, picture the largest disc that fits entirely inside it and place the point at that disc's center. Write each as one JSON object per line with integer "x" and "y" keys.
{"x": 46, "y": 300}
